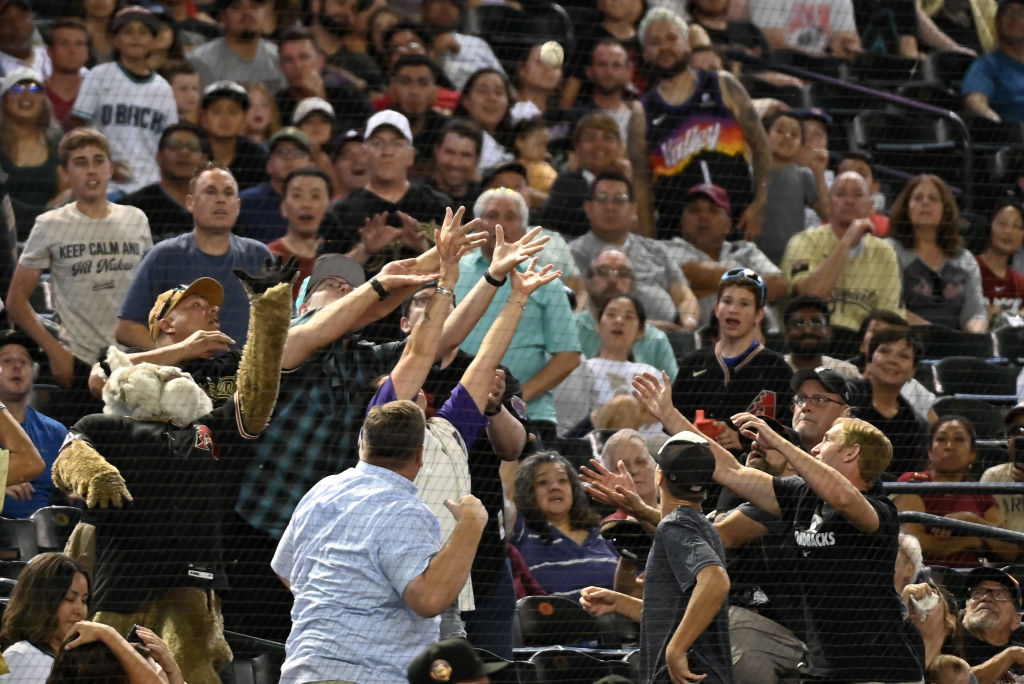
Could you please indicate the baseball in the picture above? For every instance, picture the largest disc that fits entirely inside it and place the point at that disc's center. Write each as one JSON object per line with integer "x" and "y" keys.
{"x": 551, "y": 54}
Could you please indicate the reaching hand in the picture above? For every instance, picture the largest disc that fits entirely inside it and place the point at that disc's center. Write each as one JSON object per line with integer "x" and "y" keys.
{"x": 754, "y": 428}
{"x": 274, "y": 271}
{"x": 529, "y": 280}
{"x": 608, "y": 480}
{"x": 376, "y": 234}
{"x": 468, "y": 508}
{"x": 454, "y": 240}
{"x": 654, "y": 396}
{"x": 411, "y": 233}
{"x": 508, "y": 255}
{"x": 400, "y": 274}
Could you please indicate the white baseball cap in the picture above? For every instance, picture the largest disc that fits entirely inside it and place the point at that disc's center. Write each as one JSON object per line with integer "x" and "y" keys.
{"x": 389, "y": 117}
{"x": 311, "y": 105}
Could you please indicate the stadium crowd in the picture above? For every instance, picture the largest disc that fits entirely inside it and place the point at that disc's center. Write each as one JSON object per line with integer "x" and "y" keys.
{"x": 347, "y": 325}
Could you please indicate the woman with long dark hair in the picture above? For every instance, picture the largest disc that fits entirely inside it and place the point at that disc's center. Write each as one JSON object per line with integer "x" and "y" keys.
{"x": 487, "y": 99}
{"x": 941, "y": 280}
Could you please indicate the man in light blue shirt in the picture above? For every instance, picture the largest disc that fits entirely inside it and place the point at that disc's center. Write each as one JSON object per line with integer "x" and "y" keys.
{"x": 546, "y": 347}
{"x": 363, "y": 558}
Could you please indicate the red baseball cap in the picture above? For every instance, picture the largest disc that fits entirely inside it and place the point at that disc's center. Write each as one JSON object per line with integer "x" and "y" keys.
{"x": 715, "y": 193}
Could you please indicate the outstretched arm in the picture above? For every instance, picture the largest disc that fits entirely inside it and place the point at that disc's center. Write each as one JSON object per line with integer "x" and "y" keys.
{"x": 753, "y": 485}
{"x": 479, "y": 377}
{"x": 421, "y": 348}
{"x": 259, "y": 370}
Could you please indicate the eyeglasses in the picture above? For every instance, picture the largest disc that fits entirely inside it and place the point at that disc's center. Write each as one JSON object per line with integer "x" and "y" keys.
{"x": 808, "y": 323}
{"x": 170, "y": 298}
{"x": 749, "y": 275}
{"x": 607, "y": 197}
{"x": 179, "y": 145}
{"x": 816, "y": 400}
{"x": 1000, "y": 595}
{"x": 613, "y": 272}
{"x": 33, "y": 88}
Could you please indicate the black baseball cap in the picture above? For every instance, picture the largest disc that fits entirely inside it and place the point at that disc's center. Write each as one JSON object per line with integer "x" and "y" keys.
{"x": 494, "y": 171}
{"x": 230, "y": 90}
{"x": 13, "y": 336}
{"x": 829, "y": 379}
{"x": 805, "y": 302}
{"x": 135, "y": 13}
{"x": 990, "y": 574}
{"x": 450, "y": 660}
{"x": 686, "y": 459}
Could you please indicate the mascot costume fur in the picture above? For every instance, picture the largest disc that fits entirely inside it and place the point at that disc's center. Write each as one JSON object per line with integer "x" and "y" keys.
{"x": 159, "y": 470}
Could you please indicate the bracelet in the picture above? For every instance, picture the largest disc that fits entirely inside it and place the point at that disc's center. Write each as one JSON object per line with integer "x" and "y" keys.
{"x": 442, "y": 290}
{"x": 491, "y": 414}
{"x": 379, "y": 289}
{"x": 491, "y": 280}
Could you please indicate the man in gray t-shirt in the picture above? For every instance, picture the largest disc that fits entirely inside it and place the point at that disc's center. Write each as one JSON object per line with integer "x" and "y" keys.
{"x": 242, "y": 55}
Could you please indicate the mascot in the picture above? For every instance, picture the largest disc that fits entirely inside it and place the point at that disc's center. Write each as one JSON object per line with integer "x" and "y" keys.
{"x": 159, "y": 470}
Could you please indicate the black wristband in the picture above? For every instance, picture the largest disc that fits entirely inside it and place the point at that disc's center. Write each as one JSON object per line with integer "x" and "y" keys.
{"x": 494, "y": 281}
{"x": 379, "y": 289}
{"x": 493, "y": 413}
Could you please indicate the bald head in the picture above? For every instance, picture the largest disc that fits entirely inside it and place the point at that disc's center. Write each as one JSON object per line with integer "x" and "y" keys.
{"x": 849, "y": 199}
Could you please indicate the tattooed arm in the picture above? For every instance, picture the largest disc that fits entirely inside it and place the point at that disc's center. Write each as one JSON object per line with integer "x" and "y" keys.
{"x": 736, "y": 99}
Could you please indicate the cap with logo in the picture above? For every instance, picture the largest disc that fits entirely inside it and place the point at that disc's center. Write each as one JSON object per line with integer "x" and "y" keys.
{"x": 451, "y": 661}
{"x": 686, "y": 460}
{"x": 207, "y": 288}
{"x": 388, "y": 117}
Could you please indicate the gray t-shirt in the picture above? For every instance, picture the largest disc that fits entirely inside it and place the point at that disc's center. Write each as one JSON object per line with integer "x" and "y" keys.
{"x": 790, "y": 189}
{"x": 91, "y": 264}
{"x": 685, "y": 543}
{"x": 215, "y": 61}
{"x": 653, "y": 271}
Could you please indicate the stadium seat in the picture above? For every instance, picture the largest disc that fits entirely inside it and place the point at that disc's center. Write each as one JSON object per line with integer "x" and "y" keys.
{"x": 758, "y": 88}
{"x": 550, "y": 620}
{"x": 880, "y": 69}
{"x": 947, "y": 67}
{"x": 511, "y": 31}
{"x": 913, "y": 143}
{"x": 617, "y": 631}
{"x": 11, "y": 569}
{"x": 932, "y": 93}
{"x": 972, "y": 375}
{"x": 941, "y": 342}
{"x": 988, "y": 135}
{"x": 512, "y": 674}
{"x": 566, "y": 666}
{"x": 17, "y": 539}
{"x": 54, "y": 525}
{"x": 986, "y": 418}
{"x": 1008, "y": 342}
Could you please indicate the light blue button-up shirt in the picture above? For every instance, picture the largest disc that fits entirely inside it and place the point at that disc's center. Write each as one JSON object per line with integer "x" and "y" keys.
{"x": 545, "y": 329}
{"x": 355, "y": 542}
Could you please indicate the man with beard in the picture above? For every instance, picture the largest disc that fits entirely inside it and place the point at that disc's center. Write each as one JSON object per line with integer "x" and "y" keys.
{"x": 697, "y": 127}
{"x": 304, "y": 68}
{"x": 611, "y": 275}
{"x": 807, "y": 334}
{"x": 609, "y": 76}
{"x": 181, "y": 150}
{"x": 991, "y": 615}
{"x": 456, "y": 155}
{"x": 412, "y": 87}
{"x": 242, "y": 55}
{"x": 331, "y": 24}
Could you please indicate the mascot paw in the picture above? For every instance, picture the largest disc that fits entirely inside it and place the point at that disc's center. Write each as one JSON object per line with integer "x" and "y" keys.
{"x": 107, "y": 490}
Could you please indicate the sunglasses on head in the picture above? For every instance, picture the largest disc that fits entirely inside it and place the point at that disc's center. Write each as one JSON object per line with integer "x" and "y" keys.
{"x": 747, "y": 275}
{"x": 170, "y": 298}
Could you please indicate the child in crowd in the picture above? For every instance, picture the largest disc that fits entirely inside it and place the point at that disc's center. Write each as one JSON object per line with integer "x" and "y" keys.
{"x": 262, "y": 120}
{"x": 184, "y": 81}
{"x": 129, "y": 103}
{"x": 315, "y": 117}
{"x": 791, "y": 187}
{"x": 224, "y": 107}
{"x": 531, "y": 143}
